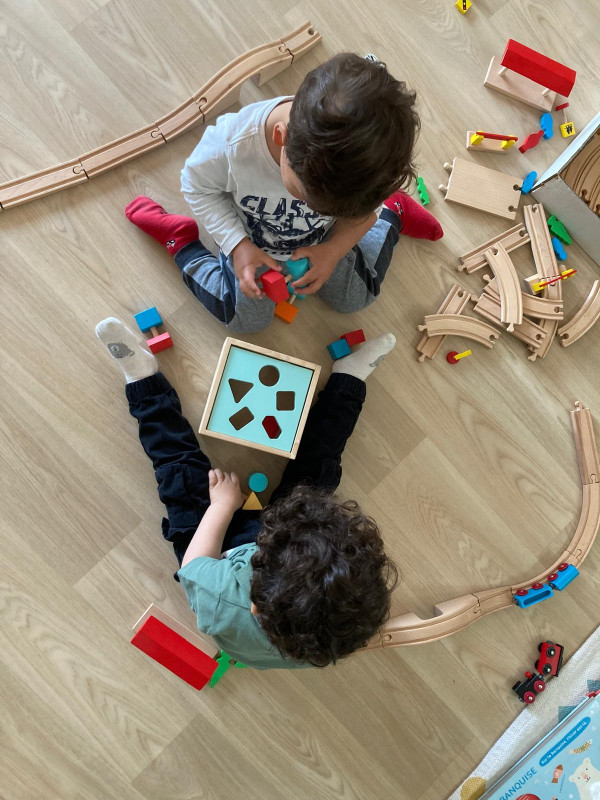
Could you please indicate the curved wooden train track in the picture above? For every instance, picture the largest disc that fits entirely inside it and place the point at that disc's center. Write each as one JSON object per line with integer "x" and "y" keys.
{"x": 457, "y": 325}
{"x": 222, "y": 90}
{"x": 452, "y": 616}
{"x": 533, "y": 306}
{"x": 583, "y": 174}
{"x": 508, "y": 285}
{"x": 584, "y": 319}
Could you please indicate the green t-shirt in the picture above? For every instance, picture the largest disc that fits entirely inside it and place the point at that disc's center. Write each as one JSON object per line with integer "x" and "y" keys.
{"x": 218, "y": 591}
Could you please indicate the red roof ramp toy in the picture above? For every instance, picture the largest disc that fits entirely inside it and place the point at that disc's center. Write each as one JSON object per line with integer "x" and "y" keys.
{"x": 522, "y": 71}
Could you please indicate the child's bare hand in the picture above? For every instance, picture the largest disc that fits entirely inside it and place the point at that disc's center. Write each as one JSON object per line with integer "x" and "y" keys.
{"x": 224, "y": 489}
{"x": 322, "y": 263}
{"x": 247, "y": 258}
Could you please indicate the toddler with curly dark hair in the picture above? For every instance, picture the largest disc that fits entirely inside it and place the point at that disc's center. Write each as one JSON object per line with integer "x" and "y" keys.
{"x": 306, "y": 581}
{"x": 319, "y": 175}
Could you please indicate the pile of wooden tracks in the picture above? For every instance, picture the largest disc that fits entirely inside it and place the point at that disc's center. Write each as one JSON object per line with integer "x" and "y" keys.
{"x": 222, "y": 91}
{"x": 534, "y": 319}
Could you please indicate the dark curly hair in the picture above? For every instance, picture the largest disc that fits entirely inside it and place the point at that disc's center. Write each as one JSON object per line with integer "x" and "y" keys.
{"x": 322, "y": 581}
{"x": 351, "y": 135}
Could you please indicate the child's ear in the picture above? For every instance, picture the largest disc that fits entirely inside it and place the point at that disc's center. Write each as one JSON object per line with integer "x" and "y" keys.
{"x": 280, "y": 134}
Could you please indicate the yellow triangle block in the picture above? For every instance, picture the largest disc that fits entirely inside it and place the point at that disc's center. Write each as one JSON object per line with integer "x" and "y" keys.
{"x": 252, "y": 503}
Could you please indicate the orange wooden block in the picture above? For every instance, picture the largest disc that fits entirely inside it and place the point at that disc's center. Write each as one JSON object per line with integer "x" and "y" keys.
{"x": 286, "y": 312}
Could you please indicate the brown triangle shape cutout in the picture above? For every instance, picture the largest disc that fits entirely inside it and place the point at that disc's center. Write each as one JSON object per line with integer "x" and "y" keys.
{"x": 239, "y": 388}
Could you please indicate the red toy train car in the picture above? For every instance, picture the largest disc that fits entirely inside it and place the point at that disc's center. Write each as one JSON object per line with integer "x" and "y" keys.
{"x": 550, "y": 660}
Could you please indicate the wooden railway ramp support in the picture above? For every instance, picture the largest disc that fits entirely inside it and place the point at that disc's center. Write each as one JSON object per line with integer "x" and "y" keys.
{"x": 455, "y": 615}
{"x": 217, "y": 95}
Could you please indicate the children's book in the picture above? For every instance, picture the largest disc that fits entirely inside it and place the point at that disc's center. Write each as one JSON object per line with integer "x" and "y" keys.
{"x": 564, "y": 765}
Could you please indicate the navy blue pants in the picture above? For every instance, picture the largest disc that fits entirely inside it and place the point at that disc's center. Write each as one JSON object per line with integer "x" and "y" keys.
{"x": 181, "y": 468}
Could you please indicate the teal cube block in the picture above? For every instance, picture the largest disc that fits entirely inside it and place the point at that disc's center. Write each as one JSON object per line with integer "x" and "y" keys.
{"x": 297, "y": 268}
{"x": 339, "y": 349}
{"x": 150, "y": 318}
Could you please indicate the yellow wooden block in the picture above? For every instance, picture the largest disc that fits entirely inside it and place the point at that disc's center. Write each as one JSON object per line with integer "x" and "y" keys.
{"x": 567, "y": 129}
{"x": 463, "y": 5}
{"x": 476, "y": 139}
{"x": 252, "y": 503}
{"x": 507, "y": 144}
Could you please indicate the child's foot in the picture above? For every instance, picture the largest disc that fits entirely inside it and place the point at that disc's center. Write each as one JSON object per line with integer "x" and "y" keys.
{"x": 173, "y": 231}
{"x": 135, "y": 361}
{"x": 362, "y": 362}
{"x": 415, "y": 220}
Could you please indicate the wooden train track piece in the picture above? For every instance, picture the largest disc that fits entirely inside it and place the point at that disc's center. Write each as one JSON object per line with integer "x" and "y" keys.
{"x": 486, "y": 189}
{"x": 122, "y": 150}
{"x": 38, "y": 184}
{"x": 583, "y": 173}
{"x": 457, "y": 325}
{"x": 583, "y": 320}
{"x": 488, "y": 306}
{"x": 541, "y": 247}
{"x": 549, "y": 326}
{"x": 221, "y": 91}
{"x": 511, "y": 239}
{"x": 533, "y": 306}
{"x": 587, "y": 454}
{"x": 455, "y": 615}
{"x": 262, "y": 63}
{"x": 508, "y": 285}
{"x": 454, "y": 303}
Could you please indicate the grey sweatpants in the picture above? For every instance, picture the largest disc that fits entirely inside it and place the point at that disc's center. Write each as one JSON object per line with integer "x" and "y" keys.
{"x": 354, "y": 283}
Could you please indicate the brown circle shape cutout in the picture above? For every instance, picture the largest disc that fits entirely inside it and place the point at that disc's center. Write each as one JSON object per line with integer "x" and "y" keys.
{"x": 268, "y": 375}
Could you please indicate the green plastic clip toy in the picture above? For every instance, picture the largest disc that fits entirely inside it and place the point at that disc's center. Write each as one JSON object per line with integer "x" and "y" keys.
{"x": 422, "y": 190}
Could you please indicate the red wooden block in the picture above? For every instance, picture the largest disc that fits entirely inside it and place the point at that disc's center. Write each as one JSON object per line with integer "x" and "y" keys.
{"x": 561, "y": 106}
{"x": 272, "y": 428}
{"x": 161, "y": 342}
{"x": 174, "y": 652}
{"x": 354, "y": 337}
{"x": 531, "y": 141}
{"x": 274, "y": 286}
{"x": 539, "y": 68}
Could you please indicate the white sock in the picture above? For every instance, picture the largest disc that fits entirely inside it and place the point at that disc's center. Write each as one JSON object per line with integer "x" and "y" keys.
{"x": 362, "y": 362}
{"x": 123, "y": 345}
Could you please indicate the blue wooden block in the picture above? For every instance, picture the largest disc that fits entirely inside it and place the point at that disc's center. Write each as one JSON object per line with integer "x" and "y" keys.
{"x": 150, "y": 318}
{"x": 564, "y": 578}
{"x": 560, "y": 251}
{"x": 258, "y": 482}
{"x": 528, "y": 182}
{"x": 339, "y": 349}
{"x": 547, "y": 125}
{"x": 533, "y": 596}
{"x": 297, "y": 268}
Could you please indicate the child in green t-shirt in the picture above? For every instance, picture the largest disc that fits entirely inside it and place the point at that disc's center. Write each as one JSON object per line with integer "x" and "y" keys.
{"x": 306, "y": 581}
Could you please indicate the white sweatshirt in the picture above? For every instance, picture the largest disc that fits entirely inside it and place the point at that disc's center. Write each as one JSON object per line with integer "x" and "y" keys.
{"x": 233, "y": 185}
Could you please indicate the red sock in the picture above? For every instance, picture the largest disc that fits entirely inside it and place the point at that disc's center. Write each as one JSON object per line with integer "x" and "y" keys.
{"x": 415, "y": 221}
{"x": 173, "y": 231}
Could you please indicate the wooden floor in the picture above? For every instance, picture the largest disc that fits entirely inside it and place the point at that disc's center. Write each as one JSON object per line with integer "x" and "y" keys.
{"x": 470, "y": 471}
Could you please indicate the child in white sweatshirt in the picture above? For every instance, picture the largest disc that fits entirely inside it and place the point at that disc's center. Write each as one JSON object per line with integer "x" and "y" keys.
{"x": 298, "y": 176}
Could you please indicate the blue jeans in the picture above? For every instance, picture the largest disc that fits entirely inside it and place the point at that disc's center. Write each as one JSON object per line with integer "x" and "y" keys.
{"x": 353, "y": 285}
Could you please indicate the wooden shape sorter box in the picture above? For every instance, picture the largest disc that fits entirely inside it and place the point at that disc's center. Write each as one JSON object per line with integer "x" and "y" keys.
{"x": 276, "y": 387}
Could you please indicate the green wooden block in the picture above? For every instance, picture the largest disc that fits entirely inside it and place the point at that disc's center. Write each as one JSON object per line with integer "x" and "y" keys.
{"x": 558, "y": 229}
